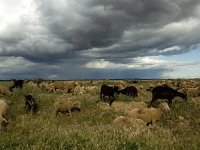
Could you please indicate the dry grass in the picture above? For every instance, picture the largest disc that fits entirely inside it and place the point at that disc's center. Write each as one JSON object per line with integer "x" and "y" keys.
{"x": 92, "y": 127}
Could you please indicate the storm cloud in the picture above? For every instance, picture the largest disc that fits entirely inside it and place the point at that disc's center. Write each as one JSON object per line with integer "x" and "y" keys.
{"x": 81, "y": 33}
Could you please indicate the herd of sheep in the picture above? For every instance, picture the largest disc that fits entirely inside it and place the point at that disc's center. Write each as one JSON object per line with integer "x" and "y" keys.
{"x": 139, "y": 116}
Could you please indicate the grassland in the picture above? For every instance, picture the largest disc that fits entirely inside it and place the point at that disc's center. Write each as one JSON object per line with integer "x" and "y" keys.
{"x": 92, "y": 129}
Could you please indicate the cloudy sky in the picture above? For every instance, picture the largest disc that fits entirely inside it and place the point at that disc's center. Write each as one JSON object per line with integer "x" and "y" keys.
{"x": 98, "y": 39}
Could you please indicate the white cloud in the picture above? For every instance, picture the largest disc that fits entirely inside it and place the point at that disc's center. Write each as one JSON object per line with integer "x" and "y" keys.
{"x": 171, "y": 68}
{"x": 188, "y": 69}
{"x": 15, "y": 62}
{"x": 13, "y": 12}
{"x": 102, "y": 64}
{"x": 134, "y": 63}
{"x": 53, "y": 77}
{"x": 183, "y": 26}
{"x": 168, "y": 50}
{"x": 20, "y": 64}
{"x": 146, "y": 63}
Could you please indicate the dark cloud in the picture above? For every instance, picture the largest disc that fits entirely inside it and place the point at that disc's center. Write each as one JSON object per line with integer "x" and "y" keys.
{"x": 80, "y": 25}
{"x": 105, "y": 24}
{"x": 114, "y": 30}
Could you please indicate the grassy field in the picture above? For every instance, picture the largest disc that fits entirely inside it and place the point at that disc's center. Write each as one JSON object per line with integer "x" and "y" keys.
{"x": 92, "y": 128}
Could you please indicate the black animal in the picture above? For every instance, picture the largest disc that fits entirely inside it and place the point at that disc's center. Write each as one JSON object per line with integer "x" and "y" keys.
{"x": 17, "y": 84}
{"x": 30, "y": 104}
{"x": 129, "y": 91}
{"x": 165, "y": 92}
{"x": 108, "y": 91}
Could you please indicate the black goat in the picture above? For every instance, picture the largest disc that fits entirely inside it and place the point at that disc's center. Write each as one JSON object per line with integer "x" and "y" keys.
{"x": 108, "y": 91}
{"x": 129, "y": 91}
{"x": 165, "y": 92}
{"x": 17, "y": 84}
{"x": 30, "y": 104}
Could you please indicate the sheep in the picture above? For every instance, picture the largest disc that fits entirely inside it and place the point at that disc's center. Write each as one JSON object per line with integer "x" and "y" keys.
{"x": 79, "y": 90}
{"x": 31, "y": 84}
{"x": 46, "y": 86}
{"x": 122, "y": 84}
{"x": 59, "y": 85}
{"x": 3, "y": 111}
{"x": 69, "y": 86}
{"x": 165, "y": 92}
{"x": 38, "y": 81}
{"x": 17, "y": 84}
{"x": 129, "y": 91}
{"x": 5, "y": 91}
{"x": 90, "y": 89}
{"x": 192, "y": 92}
{"x": 149, "y": 115}
{"x": 30, "y": 104}
{"x": 128, "y": 121}
{"x": 141, "y": 88}
{"x": 108, "y": 91}
{"x": 63, "y": 105}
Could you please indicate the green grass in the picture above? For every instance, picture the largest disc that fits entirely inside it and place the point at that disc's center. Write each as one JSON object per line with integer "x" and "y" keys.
{"x": 92, "y": 129}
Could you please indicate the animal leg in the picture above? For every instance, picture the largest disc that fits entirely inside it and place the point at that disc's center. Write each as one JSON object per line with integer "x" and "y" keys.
{"x": 111, "y": 101}
{"x": 170, "y": 102}
{"x": 70, "y": 113}
{"x": 100, "y": 97}
{"x": 56, "y": 112}
{"x": 104, "y": 98}
{"x": 153, "y": 99}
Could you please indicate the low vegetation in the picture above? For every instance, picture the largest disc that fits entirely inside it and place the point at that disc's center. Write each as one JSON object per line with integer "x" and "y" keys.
{"x": 92, "y": 127}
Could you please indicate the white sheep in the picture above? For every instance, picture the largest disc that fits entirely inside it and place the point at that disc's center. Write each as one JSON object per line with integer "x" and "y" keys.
{"x": 48, "y": 87}
{"x": 3, "y": 111}
{"x": 5, "y": 91}
{"x": 91, "y": 89}
{"x": 149, "y": 115}
{"x": 79, "y": 90}
{"x": 68, "y": 86}
{"x": 128, "y": 121}
{"x": 63, "y": 105}
{"x": 31, "y": 84}
{"x": 192, "y": 92}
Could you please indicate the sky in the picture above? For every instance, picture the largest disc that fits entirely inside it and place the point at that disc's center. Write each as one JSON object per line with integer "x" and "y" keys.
{"x": 99, "y": 39}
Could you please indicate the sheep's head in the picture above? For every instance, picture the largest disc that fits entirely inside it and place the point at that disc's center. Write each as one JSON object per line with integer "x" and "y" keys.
{"x": 77, "y": 105}
{"x": 28, "y": 97}
{"x": 3, "y": 122}
{"x": 184, "y": 96}
{"x": 164, "y": 107}
{"x": 116, "y": 89}
{"x": 126, "y": 120}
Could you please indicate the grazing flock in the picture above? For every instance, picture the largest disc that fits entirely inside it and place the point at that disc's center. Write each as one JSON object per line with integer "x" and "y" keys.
{"x": 139, "y": 116}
